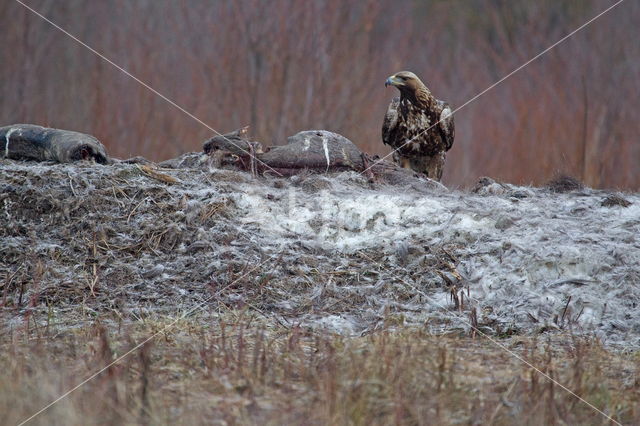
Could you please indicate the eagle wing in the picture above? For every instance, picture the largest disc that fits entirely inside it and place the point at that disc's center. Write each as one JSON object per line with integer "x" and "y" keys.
{"x": 445, "y": 124}
{"x": 390, "y": 122}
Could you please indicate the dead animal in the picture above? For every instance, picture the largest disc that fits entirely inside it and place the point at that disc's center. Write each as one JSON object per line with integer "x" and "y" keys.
{"x": 317, "y": 151}
{"x": 36, "y": 143}
{"x": 308, "y": 150}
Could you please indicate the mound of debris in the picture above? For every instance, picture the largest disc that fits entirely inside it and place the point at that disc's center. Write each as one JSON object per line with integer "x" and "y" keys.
{"x": 137, "y": 238}
{"x": 336, "y": 249}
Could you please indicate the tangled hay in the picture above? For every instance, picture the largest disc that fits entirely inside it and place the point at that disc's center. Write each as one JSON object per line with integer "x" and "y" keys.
{"x": 332, "y": 251}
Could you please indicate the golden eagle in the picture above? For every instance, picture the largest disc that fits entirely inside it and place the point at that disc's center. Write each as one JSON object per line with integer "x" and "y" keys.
{"x": 417, "y": 126}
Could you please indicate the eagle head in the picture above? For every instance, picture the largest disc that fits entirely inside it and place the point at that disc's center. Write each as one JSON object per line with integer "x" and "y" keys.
{"x": 404, "y": 80}
{"x": 410, "y": 86}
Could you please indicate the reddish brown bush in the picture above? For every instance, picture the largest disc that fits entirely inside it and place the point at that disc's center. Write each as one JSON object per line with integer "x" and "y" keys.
{"x": 285, "y": 65}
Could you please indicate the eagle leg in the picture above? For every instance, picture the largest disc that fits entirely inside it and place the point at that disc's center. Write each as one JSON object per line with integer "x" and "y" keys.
{"x": 435, "y": 166}
{"x": 405, "y": 163}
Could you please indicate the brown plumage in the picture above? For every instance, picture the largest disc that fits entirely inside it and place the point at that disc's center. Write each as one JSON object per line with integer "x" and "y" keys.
{"x": 417, "y": 126}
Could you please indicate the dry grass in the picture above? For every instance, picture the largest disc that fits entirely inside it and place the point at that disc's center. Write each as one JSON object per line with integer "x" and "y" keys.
{"x": 239, "y": 370}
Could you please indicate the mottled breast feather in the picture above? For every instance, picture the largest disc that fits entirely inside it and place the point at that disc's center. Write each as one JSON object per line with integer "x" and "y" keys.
{"x": 416, "y": 131}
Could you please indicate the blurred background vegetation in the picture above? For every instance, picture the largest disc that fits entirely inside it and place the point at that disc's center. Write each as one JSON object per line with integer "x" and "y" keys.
{"x": 282, "y": 66}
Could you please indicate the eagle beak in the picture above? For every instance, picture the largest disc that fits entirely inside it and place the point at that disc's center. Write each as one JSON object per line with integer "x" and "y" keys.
{"x": 391, "y": 81}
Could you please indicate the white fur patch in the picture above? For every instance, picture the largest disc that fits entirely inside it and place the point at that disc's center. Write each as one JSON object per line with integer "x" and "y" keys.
{"x": 326, "y": 152}
{"x": 6, "y": 145}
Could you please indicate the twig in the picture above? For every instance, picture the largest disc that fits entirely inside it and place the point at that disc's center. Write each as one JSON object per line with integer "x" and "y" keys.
{"x": 73, "y": 191}
{"x": 503, "y": 401}
{"x": 134, "y": 209}
{"x": 564, "y": 311}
